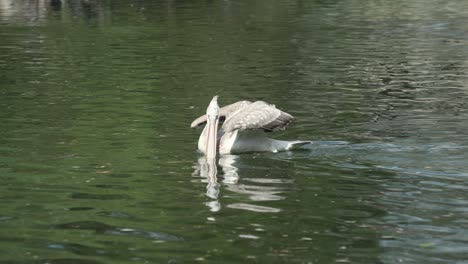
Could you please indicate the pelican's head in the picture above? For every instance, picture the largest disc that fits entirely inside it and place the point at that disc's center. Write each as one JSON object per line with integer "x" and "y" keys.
{"x": 212, "y": 118}
{"x": 213, "y": 108}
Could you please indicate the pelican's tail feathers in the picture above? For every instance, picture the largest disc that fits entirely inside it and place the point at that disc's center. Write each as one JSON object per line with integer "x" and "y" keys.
{"x": 297, "y": 144}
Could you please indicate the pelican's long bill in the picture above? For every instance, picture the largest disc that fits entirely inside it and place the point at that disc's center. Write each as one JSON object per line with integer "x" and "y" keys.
{"x": 212, "y": 118}
{"x": 211, "y": 138}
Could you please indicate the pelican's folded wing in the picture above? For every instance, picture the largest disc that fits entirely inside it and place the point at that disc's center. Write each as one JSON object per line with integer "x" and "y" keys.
{"x": 257, "y": 115}
{"x": 224, "y": 113}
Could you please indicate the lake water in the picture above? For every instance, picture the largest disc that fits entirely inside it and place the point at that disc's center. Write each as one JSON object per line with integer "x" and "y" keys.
{"x": 98, "y": 163}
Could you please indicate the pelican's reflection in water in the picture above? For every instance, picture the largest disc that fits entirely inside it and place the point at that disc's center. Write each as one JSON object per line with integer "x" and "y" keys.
{"x": 208, "y": 170}
{"x": 257, "y": 189}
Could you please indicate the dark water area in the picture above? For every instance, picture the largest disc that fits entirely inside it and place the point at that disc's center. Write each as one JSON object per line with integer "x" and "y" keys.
{"x": 98, "y": 163}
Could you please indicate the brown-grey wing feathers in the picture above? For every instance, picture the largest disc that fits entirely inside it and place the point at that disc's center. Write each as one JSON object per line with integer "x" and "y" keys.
{"x": 258, "y": 115}
{"x": 224, "y": 112}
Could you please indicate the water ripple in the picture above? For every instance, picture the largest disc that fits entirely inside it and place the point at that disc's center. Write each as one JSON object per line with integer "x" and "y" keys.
{"x": 102, "y": 228}
{"x": 254, "y": 208}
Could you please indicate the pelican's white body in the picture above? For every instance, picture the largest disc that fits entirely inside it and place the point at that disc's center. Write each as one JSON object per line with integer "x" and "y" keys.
{"x": 248, "y": 141}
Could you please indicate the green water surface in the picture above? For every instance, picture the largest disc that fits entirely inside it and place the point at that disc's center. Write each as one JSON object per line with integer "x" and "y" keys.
{"x": 98, "y": 163}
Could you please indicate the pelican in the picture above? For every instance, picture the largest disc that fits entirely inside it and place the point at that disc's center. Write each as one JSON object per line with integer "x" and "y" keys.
{"x": 243, "y": 130}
